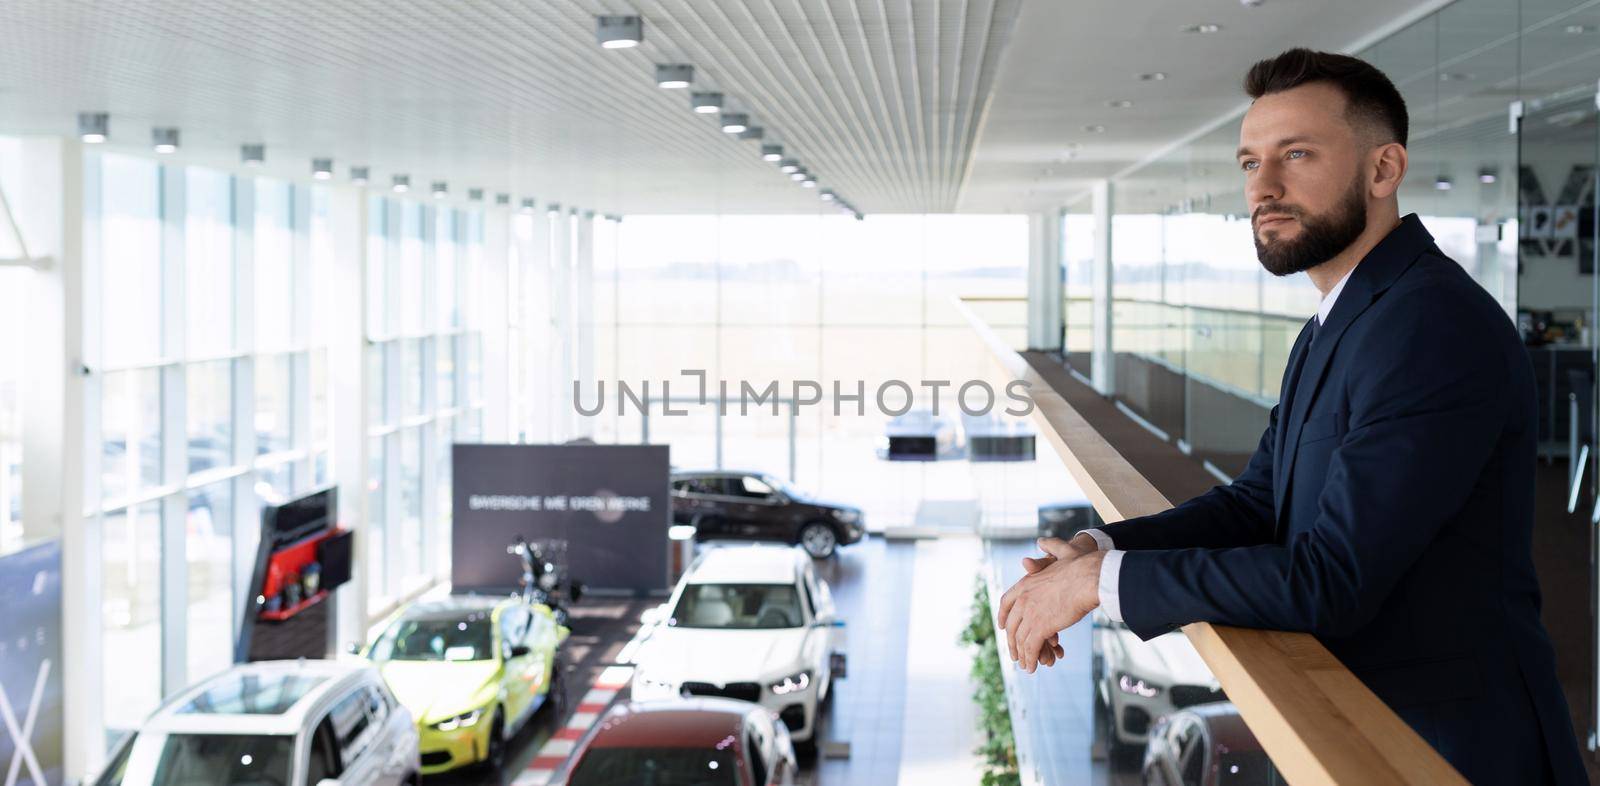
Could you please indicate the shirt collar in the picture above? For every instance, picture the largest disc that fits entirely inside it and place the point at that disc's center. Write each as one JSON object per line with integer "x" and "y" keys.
{"x": 1333, "y": 294}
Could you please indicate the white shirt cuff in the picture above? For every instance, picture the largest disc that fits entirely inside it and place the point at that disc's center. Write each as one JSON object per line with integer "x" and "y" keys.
{"x": 1110, "y": 571}
{"x": 1102, "y": 541}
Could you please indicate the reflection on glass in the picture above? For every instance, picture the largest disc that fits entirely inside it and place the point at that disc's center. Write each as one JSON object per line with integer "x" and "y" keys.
{"x": 446, "y": 310}
{"x": 444, "y": 386}
{"x": 210, "y": 411}
{"x": 130, "y": 612}
{"x": 411, "y": 544}
{"x": 130, "y": 259}
{"x": 274, "y": 402}
{"x": 412, "y": 285}
{"x": 411, "y": 377}
{"x": 377, "y": 526}
{"x": 274, "y": 265}
{"x": 208, "y": 540}
{"x": 14, "y": 287}
{"x": 208, "y": 261}
{"x": 130, "y": 429}
{"x": 379, "y": 309}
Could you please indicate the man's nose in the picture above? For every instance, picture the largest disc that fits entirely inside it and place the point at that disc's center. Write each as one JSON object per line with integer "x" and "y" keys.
{"x": 1264, "y": 185}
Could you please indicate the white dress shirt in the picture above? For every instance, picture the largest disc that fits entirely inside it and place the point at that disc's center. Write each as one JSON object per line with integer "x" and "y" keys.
{"x": 1111, "y": 568}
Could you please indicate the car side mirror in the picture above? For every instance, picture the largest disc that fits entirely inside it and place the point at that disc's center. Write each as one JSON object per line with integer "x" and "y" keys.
{"x": 520, "y": 651}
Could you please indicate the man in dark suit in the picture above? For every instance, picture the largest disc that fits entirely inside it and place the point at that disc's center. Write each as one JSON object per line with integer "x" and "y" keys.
{"x": 1388, "y": 508}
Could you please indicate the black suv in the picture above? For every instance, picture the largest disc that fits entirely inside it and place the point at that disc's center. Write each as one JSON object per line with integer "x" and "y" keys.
{"x": 758, "y": 506}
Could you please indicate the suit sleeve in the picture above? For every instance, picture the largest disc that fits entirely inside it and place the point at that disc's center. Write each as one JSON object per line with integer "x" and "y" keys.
{"x": 1428, "y": 404}
{"x": 1238, "y": 514}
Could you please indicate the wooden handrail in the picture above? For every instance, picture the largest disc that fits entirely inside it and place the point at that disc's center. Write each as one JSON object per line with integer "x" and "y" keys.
{"x": 1316, "y": 720}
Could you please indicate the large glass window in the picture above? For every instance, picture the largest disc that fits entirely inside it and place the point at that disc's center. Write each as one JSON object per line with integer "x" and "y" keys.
{"x": 274, "y": 266}
{"x": 130, "y": 611}
{"x": 208, "y": 547}
{"x": 208, "y": 262}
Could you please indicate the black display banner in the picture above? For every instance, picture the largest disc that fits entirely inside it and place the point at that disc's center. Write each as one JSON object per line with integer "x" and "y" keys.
{"x": 608, "y": 502}
{"x": 30, "y": 666}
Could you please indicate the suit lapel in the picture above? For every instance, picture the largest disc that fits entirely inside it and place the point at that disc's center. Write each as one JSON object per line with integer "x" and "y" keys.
{"x": 1376, "y": 272}
{"x": 1291, "y": 378}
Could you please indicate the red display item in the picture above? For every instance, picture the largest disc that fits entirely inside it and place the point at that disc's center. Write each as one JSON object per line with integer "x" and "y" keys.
{"x": 288, "y": 562}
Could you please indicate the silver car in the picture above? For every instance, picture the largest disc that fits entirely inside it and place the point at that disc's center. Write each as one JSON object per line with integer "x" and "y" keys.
{"x": 280, "y": 723}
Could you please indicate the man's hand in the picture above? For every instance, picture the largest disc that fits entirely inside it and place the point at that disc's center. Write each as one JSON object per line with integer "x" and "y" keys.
{"x": 1078, "y": 546}
{"x": 1057, "y": 592}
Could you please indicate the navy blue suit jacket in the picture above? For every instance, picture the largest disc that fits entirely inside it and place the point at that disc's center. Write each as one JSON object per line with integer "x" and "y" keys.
{"x": 1388, "y": 510}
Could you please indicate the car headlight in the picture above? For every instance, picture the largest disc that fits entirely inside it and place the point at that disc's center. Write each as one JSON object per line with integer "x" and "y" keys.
{"x": 847, "y": 516}
{"x": 793, "y": 683}
{"x": 1135, "y": 686}
{"x": 465, "y": 720}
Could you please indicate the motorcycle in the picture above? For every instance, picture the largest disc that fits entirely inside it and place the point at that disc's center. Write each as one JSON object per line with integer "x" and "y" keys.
{"x": 544, "y": 575}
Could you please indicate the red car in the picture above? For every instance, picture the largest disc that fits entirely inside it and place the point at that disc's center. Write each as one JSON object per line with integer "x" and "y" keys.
{"x": 683, "y": 742}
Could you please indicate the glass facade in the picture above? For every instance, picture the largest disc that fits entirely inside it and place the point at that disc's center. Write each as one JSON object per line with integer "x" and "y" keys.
{"x": 423, "y": 342}
{"x": 825, "y": 298}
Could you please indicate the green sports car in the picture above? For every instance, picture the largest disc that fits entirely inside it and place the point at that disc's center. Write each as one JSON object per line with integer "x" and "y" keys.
{"x": 472, "y": 670}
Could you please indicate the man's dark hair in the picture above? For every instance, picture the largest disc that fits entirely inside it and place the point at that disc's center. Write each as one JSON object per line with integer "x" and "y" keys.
{"x": 1372, "y": 102}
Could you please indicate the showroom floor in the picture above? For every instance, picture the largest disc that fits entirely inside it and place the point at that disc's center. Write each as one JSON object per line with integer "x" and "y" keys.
{"x": 904, "y": 713}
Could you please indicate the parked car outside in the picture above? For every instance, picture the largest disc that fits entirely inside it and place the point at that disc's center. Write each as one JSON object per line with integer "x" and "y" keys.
{"x": 705, "y": 741}
{"x": 758, "y": 506}
{"x": 274, "y": 723}
{"x": 753, "y": 623}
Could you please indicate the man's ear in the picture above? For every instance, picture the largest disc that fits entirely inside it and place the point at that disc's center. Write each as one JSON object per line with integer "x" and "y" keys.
{"x": 1389, "y": 164}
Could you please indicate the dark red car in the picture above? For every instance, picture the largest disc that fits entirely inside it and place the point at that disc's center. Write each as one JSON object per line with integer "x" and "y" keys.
{"x": 683, "y": 742}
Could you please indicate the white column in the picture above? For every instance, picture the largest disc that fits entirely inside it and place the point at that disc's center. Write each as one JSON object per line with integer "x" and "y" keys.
{"x": 174, "y": 562}
{"x": 60, "y": 474}
{"x": 347, "y": 283}
{"x": 1044, "y": 281}
{"x": 583, "y": 324}
{"x": 1102, "y": 362}
{"x": 537, "y": 329}
{"x": 495, "y": 300}
{"x": 558, "y": 376}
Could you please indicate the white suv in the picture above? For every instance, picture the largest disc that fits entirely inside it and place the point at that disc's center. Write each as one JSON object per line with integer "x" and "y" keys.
{"x": 748, "y": 622}
{"x": 282, "y": 723}
{"x": 1137, "y": 682}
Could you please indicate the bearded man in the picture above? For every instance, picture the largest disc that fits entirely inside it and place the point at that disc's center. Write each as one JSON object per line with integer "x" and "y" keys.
{"x": 1388, "y": 509}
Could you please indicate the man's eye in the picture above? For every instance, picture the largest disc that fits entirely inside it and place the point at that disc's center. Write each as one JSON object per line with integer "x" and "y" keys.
{"x": 1248, "y": 165}
{"x": 1297, "y": 153}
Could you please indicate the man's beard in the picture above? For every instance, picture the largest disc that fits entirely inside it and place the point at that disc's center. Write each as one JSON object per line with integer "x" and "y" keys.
{"x": 1321, "y": 237}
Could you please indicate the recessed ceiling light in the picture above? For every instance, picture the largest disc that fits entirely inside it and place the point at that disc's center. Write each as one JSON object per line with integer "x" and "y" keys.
{"x": 674, "y": 77}
{"x": 1454, "y": 76}
{"x": 1578, "y": 29}
{"x": 1204, "y": 27}
{"x": 772, "y": 153}
{"x": 826, "y": 195}
{"x": 253, "y": 155}
{"x": 1486, "y": 176}
{"x": 798, "y": 175}
{"x": 322, "y": 169}
{"x": 502, "y": 199}
{"x": 1153, "y": 76}
{"x": 94, "y": 127}
{"x": 165, "y": 140}
{"x": 402, "y": 183}
{"x": 1095, "y": 129}
{"x": 706, "y": 103}
{"x": 553, "y": 210}
{"x": 359, "y": 175}
{"x": 474, "y": 195}
{"x": 809, "y": 181}
{"x": 1119, "y": 104}
{"x": 734, "y": 123}
{"x": 527, "y": 205}
{"x": 789, "y": 166}
{"x": 753, "y": 132}
{"x": 440, "y": 189}
{"x": 1442, "y": 184}
{"x": 619, "y": 32}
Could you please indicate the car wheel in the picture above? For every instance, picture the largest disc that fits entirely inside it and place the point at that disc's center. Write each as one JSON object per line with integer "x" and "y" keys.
{"x": 495, "y": 757}
{"x": 818, "y": 540}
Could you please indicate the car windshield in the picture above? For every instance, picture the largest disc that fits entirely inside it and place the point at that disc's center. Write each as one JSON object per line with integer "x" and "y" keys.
{"x": 238, "y": 759}
{"x": 744, "y": 606}
{"x": 656, "y": 767}
{"x": 436, "y": 639}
